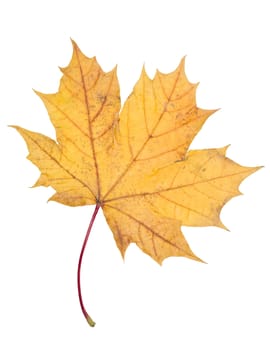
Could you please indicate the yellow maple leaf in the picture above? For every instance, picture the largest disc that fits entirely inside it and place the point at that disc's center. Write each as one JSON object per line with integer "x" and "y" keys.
{"x": 135, "y": 166}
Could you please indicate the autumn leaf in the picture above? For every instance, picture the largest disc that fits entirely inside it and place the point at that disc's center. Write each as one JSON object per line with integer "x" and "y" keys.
{"x": 135, "y": 165}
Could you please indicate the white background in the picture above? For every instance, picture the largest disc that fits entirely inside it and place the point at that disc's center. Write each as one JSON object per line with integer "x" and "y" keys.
{"x": 137, "y": 304}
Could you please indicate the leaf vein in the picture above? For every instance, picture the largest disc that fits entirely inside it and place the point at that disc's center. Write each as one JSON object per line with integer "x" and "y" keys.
{"x": 153, "y": 232}
{"x": 89, "y": 124}
{"x": 173, "y": 188}
{"x": 61, "y": 165}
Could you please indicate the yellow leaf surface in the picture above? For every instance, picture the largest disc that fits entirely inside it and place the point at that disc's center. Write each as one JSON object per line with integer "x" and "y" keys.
{"x": 135, "y": 165}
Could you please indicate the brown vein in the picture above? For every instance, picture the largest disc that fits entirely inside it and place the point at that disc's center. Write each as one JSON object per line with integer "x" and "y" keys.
{"x": 60, "y": 179}
{"x": 104, "y": 131}
{"x": 77, "y": 97}
{"x": 174, "y": 87}
{"x": 174, "y": 188}
{"x": 216, "y": 188}
{"x": 119, "y": 234}
{"x": 194, "y": 86}
{"x": 173, "y": 111}
{"x": 65, "y": 115}
{"x": 180, "y": 126}
{"x": 154, "y": 233}
{"x": 198, "y": 175}
{"x": 75, "y": 197}
{"x": 128, "y": 138}
{"x": 89, "y": 125}
{"x": 183, "y": 206}
{"x": 77, "y": 147}
{"x": 203, "y": 165}
{"x": 162, "y": 86}
{"x": 154, "y": 245}
{"x": 61, "y": 165}
{"x": 69, "y": 76}
{"x": 140, "y": 234}
{"x": 144, "y": 108}
{"x": 175, "y": 176}
{"x": 143, "y": 145}
{"x": 159, "y": 154}
{"x": 104, "y": 100}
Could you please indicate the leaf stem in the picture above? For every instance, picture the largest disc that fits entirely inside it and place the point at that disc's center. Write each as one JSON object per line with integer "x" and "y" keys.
{"x": 88, "y": 318}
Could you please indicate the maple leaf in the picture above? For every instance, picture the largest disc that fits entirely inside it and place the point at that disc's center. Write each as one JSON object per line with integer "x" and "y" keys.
{"x": 135, "y": 166}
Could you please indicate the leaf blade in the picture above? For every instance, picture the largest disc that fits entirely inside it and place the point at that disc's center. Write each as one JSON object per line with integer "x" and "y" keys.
{"x": 56, "y": 170}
